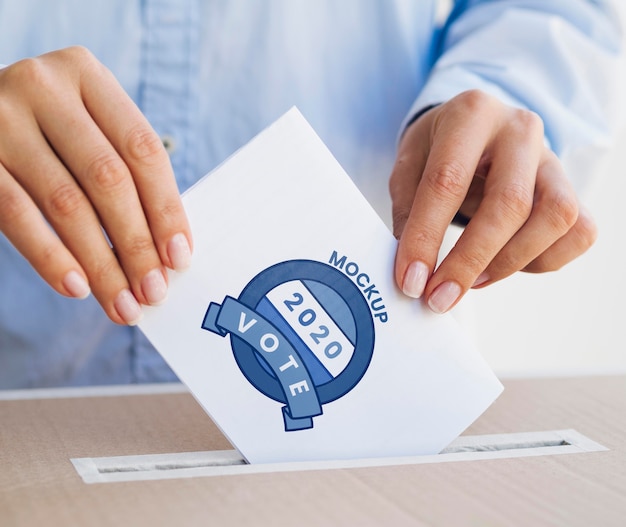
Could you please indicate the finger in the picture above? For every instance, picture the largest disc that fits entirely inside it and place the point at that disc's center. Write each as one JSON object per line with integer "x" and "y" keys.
{"x": 408, "y": 168}
{"x": 28, "y": 157}
{"x": 30, "y": 160}
{"x": 506, "y": 205}
{"x": 23, "y": 225}
{"x": 142, "y": 151}
{"x": 456, "y": 149}
{"x": 554, "y": 212}
{"x": 570, "y": 246}
{"x": 107, "y": 180}
{"x": 403, "y": 183}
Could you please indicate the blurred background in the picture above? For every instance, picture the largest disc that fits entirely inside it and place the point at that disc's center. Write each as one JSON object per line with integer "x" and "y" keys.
{"x": 573, "y": 321}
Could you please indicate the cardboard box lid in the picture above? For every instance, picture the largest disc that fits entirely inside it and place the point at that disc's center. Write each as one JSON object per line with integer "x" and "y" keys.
{"x": 39, "y": 485}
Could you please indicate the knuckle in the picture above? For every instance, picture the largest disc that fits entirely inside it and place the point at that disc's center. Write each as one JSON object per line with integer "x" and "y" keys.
{"x": 505, "y": 263}
{"x": 562, "y": 211}
{"x": 448, "y": 179}
{"x": 143, "y": 144}
{"x": 102, "y": 270}
{"x": 168, "y": 213}
{"x": 65, "y": 201}
{"x": 28, "y": 74}
{"x": 107, "y": 171}
{"x": 472, "y": 263}
{"x": 47, "y": 252}
{"x": 475, "y": 100}
{"x": 515, "y": 201}
{"x": 80, "y": 57}
{"x": 580, "y": 238}
{"x": 137, "y": 246}
{"x": 525, "y": 126}
{"x": 12, "y": 206}
{"x": 528, "y": 121}
{"x": 34, "y": 74}
{"x": 78, "y": 53}
{"x": 423, "y": 239}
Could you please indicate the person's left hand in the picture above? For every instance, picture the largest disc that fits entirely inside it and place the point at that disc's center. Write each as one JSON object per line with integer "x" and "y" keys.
{"x": 488, "y": 161}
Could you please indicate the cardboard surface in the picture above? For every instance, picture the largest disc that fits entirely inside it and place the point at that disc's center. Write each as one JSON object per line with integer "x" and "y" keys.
{"x": 39, "y": 485}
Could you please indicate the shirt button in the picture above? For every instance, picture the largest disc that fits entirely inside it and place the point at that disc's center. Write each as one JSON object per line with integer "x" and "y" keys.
{"x": 169, "y": 143}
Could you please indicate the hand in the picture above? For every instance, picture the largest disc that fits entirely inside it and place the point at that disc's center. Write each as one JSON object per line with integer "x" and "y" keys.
{"x": 79, "y": 164}
{"x": 488, "y": 161}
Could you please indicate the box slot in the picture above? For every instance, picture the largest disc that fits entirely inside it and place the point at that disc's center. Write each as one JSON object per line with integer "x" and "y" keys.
{"x": 230, "y": 462}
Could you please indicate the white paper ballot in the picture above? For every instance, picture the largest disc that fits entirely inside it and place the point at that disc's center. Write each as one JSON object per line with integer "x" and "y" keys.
{"x": 288, "y": 327}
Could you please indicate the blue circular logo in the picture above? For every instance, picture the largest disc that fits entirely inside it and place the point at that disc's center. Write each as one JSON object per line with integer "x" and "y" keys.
{"x": 301, "y": 333}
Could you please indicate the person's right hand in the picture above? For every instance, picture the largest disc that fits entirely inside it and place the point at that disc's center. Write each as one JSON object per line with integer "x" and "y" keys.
{"x": 478, "y": 156}
{"x": 81, "y": 167}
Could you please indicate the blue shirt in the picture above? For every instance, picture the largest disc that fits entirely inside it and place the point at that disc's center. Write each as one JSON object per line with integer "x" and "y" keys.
{"x": 209, "y": 75}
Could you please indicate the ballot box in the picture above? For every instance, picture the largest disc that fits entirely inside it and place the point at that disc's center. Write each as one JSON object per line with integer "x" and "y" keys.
{"x": 547, "y": 452}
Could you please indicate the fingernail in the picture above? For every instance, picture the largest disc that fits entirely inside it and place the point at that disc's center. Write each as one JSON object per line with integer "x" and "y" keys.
{"x": 482, "y": 278}
{"x": 415, "y": 279}
{"x": 179, "y": 252}
{"x": 76, "y": 285}
{"x": 128, "y": 308}
{"x": 154, "y": 287}
{"x": 444, "y": 297}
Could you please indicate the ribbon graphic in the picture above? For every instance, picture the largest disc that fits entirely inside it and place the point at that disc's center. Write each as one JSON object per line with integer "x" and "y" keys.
{"x": 301, "y": 398}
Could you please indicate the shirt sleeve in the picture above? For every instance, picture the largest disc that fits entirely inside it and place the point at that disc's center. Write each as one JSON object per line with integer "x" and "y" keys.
{"x": 561, "y": 59}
